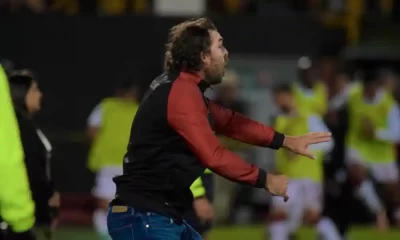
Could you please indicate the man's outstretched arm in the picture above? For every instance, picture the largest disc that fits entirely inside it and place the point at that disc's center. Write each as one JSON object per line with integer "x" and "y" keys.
{"x": 241, "y": 128}
{"x": 187, "y": 115}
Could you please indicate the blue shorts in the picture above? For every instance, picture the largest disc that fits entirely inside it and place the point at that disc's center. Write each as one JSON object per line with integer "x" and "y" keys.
{"x": 124, "y": 223}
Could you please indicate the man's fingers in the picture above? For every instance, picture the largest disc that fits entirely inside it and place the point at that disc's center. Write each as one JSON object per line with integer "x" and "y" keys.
{"x": 319, "y": 137}
{"x": 322, "y": 134}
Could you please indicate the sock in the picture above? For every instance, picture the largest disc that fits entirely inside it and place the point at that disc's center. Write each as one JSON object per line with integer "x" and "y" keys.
{"x": 100, "y": 223}
{"x": 278, "y": 231}
{"x": 327, "y": 230}
{"x": 369, "y": 195}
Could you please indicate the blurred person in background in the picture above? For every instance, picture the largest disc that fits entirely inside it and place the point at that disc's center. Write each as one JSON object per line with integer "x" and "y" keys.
{"x": 17, "y": 213}
{"x": 309, "y": 92}
{"x": 26, "y": 97}
{"x": 374, "y": 128}
{"x": 228, "y": 97}
{"x": 390, "y": 80}
{"x": 339, "y": 191}
{"x": 201, "y": 215}
{"x": 326, "y": 68}
{"x": 230, "y": 198}
{"x": 228, "y": 92}
{"x": 306, "y": 176}
{"x": 108, "y": 128}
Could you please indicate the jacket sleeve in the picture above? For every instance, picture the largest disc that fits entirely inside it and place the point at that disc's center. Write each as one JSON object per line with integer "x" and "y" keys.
{"x": 241, "y": 128}
{"x": 16, "y": 204}
{"x": 187, "y": 115}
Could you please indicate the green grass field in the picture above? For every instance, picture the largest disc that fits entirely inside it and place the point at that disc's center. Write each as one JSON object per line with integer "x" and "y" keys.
{"x": 242, "y": 233}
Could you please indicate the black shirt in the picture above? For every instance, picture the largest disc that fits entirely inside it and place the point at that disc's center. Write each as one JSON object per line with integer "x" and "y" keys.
{"x": 37, "y": 162}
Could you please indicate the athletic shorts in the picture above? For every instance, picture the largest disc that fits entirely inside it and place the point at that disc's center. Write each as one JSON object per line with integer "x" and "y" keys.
{"x": 381, "y": 172}
{"x": 303, "y": 194}
{"x": 190, "y": 216}
{"x": 104, "y": 187}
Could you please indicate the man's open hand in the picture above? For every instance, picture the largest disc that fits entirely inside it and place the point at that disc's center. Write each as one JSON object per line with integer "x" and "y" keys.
{"x": 277, "y": 185}
{"x": 300, "y": 144}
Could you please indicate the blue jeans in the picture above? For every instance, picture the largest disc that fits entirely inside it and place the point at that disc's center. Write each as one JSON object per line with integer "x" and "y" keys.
{"x": 124, "y": 223}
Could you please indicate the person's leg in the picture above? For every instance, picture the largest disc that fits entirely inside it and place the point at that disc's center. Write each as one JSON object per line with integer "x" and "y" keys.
{"x": 100, "y": 219}
{"x": 345, "y": 200}
{"x": 296, "y": 209}
{"x": 387, "y": 175}
{"x": 313, "y": 198}
{"x": 284, "y": 216}
{"x": 104, "y": 191}
{"x": 327, "y": 230}
{"x": 358, "y": 173}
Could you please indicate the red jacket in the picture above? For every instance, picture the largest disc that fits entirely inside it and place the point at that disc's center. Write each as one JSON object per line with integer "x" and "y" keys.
{"x": 173, "y": 140}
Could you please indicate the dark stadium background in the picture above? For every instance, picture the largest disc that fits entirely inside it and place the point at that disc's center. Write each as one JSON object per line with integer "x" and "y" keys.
{"x": 77, "y": 59}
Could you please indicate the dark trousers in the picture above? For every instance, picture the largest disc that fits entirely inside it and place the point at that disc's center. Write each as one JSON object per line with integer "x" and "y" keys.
{"x": 131, "y": 224}
{"x": 336, "y": 207}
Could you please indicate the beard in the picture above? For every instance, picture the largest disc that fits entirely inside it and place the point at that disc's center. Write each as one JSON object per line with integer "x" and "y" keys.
{"x": 215, "y": 75}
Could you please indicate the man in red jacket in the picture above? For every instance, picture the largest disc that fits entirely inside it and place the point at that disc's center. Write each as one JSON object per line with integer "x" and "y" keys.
{"x": 173, "y": 140}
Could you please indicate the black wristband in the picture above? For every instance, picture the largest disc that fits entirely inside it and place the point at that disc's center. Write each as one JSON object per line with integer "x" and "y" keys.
{"x": 261, "y": 179}
{"x": 277, "y": 140}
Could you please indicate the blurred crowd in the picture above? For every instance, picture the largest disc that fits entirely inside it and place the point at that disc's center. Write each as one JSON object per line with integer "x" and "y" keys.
{"x": 120, "y": 7}
{"x": 359, "y": 170}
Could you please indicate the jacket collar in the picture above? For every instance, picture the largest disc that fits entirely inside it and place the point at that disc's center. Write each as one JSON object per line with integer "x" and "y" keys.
{"x": 203, "y": 85}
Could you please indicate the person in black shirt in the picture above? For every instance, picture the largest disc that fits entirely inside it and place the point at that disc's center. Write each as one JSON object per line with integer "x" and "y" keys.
{"x": 26, "y": 97}
{"x": 173, "y": 140}
{"x": 338, "y": 188}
